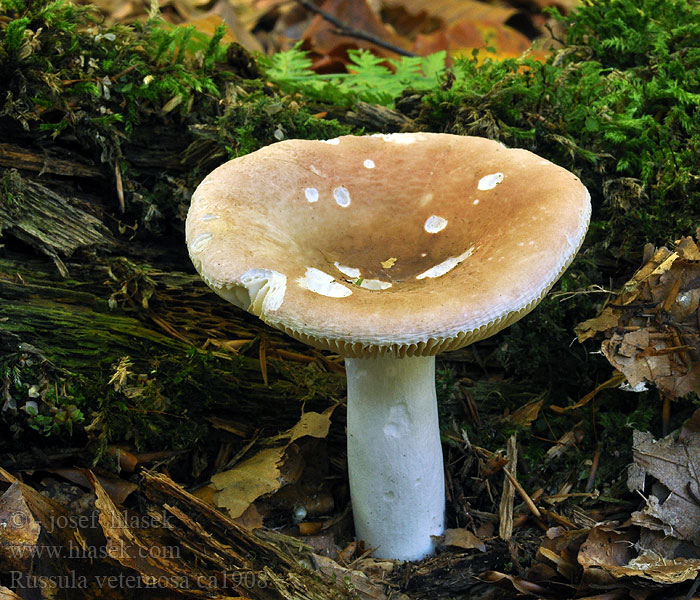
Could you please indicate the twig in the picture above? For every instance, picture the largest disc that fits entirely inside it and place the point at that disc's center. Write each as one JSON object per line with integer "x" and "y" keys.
{"x": 345, "y": 29}
{"x": 505, "y": 509}
{"x": 524, "y": 495}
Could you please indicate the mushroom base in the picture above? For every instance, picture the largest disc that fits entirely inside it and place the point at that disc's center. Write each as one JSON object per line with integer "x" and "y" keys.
{"x": 394, "y": 455}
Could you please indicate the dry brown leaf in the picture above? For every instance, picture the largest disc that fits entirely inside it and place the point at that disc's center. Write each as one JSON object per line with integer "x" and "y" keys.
{"x": 251, "y": 518}
{"x": 522, "y": 585}
{"x": 320, "y": 36}
{"x": 462, "y": 538}
{"x": 604, "y": 551}
{"x": 653, "y": 326}
{"x": 19, "y": 533}
{"x": 675, "y": 463}
{"x": 236, "y": 489}
{"x": 651, "y": 566}
{"x": 312, "y": 424}
{"x": 563, "y": 566}
{"x": 526, "y": 414}
{"x": 468, "y": 34}
{"x": 449, "y": 11}
{"x": 117, "y": 488}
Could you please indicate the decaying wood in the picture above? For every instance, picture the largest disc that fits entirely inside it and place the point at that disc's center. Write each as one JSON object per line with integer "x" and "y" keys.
{"x": 379, "y": 118}
{"x": 48, "y": 221}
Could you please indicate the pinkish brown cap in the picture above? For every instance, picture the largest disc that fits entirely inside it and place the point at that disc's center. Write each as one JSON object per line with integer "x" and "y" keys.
{"x": 402, "y": 244}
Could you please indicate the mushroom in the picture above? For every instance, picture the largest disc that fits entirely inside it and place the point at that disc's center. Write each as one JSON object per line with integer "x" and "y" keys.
{"x": 388, "y": 250}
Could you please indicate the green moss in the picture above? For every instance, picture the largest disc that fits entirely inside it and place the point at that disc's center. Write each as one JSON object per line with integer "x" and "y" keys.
{"x": 100, "y": 90}
{"x": 100, "y": 371}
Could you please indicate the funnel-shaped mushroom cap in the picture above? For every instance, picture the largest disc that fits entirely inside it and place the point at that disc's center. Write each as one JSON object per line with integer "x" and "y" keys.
{"x": 402, "y": 244}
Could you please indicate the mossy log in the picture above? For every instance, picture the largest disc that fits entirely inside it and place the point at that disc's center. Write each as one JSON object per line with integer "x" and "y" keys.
{"x": 75, "y": 332}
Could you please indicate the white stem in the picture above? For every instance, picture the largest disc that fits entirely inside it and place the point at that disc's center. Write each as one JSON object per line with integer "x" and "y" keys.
{"x": 394, "y": 455}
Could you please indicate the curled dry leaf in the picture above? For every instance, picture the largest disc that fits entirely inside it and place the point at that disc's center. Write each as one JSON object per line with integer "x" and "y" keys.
{"x": 236, "y": 489}
{"x": 674, "y": 462}
{"x": 323, "y": 39}
{"x": 652, "y": 328}
{"x": 605, "y": 551}
{"x": 526, "y": 414}
{"x": 462, "y": 538}
{"x": 468, "y": 34}
{"x": 506, "y": 581}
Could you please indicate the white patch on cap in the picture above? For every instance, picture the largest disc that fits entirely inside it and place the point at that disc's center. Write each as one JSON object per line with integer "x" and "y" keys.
{"x": 476, "y": 202}
{"x": 426, "y": 198}
{"x": 369, "y": 163}
{"x": 333, "y": 142}
{"x": 488, "y": 182}
{"x": 374, "y": 284}
{"x": 435, "y": 224}
{"x": 210, "y": 217}
{"x": 200, "y": 242}
{"x": 342, "y": 196}
{"x": 349, "y": 271}
{"x": 398, "y": 138}
{"x": 266, "y": 289}
{"x": 322, "y": 283}
{"x": 311, "y": 194}
{"x": 315, "y": 171}
{"x": 446, "y": 265}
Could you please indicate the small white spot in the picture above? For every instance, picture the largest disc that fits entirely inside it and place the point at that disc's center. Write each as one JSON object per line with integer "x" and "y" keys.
{"x": 684, "y": 300}
{"x": 521, "y": 243}
{"x": 333, "y": 142}
{"x": 349, "y": 271}
{"x": 342, "y": 196}
{"x": 639, "y": 387}
{"x": 488, "y": 182}
{"x": 323, "y": 284}
{"x": 311, "y": 194}
{"x": 531, "y": 243}
{"x": 423, "y": 254}
{"x": 210, "y": 217}
{"x": 374, "y": 284}
{"x": 315, "y": 171}
{"x": 435, "y": 224}
{"x": 476, "y": 202}
{"x": 446, "y": 265}
{"x": 369, "y": 163}
{"x": 201, "y": 241}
